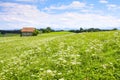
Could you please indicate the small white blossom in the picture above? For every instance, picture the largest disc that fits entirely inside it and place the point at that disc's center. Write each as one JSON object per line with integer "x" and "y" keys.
{"x": 104, "y": 66}
{"x": 60, "y": 73}
{"x": 61, "y": 79}
{"x": 49, "y": 71}
{"x": 1, "y": 61}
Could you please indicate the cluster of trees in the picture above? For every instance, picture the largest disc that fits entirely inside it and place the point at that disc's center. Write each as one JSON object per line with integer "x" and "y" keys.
{"x": 91, "y": 30}
{"x": 10, "y": 31}
{"x": 46, "y": 30}
{"x": 42, "y": 30}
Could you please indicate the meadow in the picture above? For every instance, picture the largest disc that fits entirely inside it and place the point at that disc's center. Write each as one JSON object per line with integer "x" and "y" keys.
{"x": 61, "y": 56}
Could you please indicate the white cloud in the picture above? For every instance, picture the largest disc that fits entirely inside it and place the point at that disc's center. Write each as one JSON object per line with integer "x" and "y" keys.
{"x": 31, "y": 1}
{"x": 110, "y": 6}
{"x": 103, "y": 1}
{"x": 26, "y": 15}
{"x": 113, "y": 7}
{"x": 16, "y": 12}
{"x": 26, "y": 0}
{"x": 18, "y": 15}
{"x": 76, "y": 20}
{"x": 73, "y": 5}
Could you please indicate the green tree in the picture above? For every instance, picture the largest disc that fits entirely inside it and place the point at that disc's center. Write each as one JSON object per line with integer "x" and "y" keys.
{"x": 48, "y": 29}
{"x": 81, "y": 29}
{"x": 36, "y": 32}
{"x": 114, "y": 29}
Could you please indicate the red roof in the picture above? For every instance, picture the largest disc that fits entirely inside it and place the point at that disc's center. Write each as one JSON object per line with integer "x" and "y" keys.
{"x": 28, "y": 29}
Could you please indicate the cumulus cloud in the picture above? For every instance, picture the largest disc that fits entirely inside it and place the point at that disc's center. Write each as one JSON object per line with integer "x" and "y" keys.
{"x": 16, "y": 15}
{"x": 26, "y": 15}
{"x": 16, "y": 12}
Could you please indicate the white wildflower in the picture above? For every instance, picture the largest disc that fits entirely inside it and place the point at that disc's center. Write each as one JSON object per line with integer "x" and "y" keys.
{"x": 78, "y": 62}
{"x": 1, "y": 61}
{"x": 60, "y": 73}
{"x": 60, "y": 59}
{"x": 41, "y": 69}
{"x": 64, "y": 61}
{"x": 33, "y": 75}
{"x": 104, "y": 66}
{"x": 73, "y": 63}
{"x": 111, "y": 63}
{"x": 49, "y": 71}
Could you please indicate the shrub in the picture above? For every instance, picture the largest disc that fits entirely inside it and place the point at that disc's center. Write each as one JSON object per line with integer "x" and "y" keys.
{"x": 36, "y": 32}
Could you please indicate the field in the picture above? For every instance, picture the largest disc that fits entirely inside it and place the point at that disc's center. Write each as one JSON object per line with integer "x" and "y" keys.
{"x": 9, "y": 35}
{"x": 61, "y": 56}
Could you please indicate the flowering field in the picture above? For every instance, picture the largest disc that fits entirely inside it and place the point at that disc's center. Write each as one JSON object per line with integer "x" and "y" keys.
{"x": 61, "y": 56}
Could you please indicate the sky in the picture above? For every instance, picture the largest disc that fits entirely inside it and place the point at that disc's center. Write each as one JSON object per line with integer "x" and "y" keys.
{"x": 59, "y": 14}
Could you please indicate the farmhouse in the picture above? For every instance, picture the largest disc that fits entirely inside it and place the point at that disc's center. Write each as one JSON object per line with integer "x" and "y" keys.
{"x": 27, "y": 31}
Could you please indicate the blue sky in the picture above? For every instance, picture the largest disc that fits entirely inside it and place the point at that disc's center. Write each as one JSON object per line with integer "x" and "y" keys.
{"x": 59, "y": 14}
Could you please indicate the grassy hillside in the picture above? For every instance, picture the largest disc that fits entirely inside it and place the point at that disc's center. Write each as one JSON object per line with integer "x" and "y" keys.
{"x": 61, "y": 56}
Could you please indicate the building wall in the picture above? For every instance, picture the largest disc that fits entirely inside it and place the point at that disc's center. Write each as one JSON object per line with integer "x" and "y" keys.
{"x": 27, "y": 33}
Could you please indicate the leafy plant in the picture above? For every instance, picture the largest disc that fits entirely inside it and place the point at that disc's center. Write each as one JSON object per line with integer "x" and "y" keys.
{"x": 36, "y": 32}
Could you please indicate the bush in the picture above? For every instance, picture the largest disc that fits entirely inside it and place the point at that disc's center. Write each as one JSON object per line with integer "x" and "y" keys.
{"x": 36, "y": 32}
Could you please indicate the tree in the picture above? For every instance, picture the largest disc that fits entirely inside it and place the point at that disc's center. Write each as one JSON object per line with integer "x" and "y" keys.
{"x": 48, "y": 29}
{"x": 36, "y": 32}
{"x": 81, "y": 29}
{"x": 3, "y": 32}
{"x": 114, "y": 29}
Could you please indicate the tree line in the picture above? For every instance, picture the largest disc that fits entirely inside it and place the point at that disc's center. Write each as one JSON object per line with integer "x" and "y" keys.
{"x": 49, "y": 29}
{"x": 91, "y": 30}
{"x": 10, "y": 31}
{"x": 46, "y": 30}
{"x": 41, "y": 30}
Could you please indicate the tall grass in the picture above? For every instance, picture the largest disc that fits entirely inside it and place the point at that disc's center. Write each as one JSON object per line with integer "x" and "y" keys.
{"x": 61, "y": 56}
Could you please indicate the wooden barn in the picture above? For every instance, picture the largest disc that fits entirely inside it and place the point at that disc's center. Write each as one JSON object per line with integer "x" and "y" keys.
{"x": 27, "y": 31}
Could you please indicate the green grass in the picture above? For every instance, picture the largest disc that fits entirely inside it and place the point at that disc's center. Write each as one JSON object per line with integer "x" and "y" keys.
{"x": 0, "y": 35}
{"x": 61, "y": 56}
{"x": 9, "y": 35}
